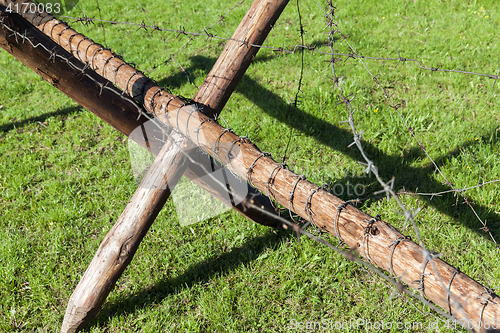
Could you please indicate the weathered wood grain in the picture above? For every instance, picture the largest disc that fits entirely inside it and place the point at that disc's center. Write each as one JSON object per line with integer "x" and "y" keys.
{"x": 120, "y": 244}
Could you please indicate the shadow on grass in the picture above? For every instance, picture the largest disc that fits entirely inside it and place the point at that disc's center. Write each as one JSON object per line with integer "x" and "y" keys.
{"x": 335, "y": 138}
{"x": 199, "y": 273}
{"x": 330, "y": 135}
{"x": 41, "y": 118}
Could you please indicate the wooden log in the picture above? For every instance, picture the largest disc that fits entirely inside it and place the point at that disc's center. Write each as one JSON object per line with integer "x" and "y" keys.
{"x": 377, "y": 244}
{"x": 110, "y": 260}
{"x": 84, "y": 88}
{"x": 109, "y": 104}
{"x": 120, "y": 244}
{"x": 372, "y": 239}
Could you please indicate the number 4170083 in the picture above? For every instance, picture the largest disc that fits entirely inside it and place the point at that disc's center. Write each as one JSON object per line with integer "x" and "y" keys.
{"x": 33, "y": 8}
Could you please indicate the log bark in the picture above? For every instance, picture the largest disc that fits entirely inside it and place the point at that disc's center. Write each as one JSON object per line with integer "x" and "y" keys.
{"x": 376, "y": 243}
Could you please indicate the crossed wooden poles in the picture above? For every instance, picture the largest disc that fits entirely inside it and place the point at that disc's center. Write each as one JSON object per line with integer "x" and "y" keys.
{"x": 375, "y": 240}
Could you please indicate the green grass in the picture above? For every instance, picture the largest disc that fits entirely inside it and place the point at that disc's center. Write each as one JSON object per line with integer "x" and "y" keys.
{"x": 65, "y": 175}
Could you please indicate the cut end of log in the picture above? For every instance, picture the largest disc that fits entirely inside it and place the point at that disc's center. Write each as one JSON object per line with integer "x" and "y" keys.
{"x": 72, "y": 319}
{"x": 76, "y": 318}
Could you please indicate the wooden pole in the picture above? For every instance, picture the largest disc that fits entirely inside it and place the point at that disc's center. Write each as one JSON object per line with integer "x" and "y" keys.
{"x": 109, "y": 104}
{"x": 120, "y": 244}
{"x": 380, "y": 243}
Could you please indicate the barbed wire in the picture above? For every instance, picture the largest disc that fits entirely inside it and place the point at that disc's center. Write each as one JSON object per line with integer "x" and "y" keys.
{"x": 221, "y": 20}
{"x": 314, "y": 49}
{"x": 83, "y": 69}
{"x": 223, "y": 17}
{"x": 101, "y": 25}
{"x": 172, "y": 56}
{"x": 398, "y": 287}
{"x": 428, "y": 257}
{"x": 299, "y": 85}
{"x": 455, "y": 191}
{"x": 357, "y": 135}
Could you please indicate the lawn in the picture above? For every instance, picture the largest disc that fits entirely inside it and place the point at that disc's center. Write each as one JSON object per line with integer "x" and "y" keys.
{"x": 66, "y": 176}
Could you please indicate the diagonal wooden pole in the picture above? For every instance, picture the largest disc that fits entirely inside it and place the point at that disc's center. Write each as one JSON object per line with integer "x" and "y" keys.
{"x": 121, "y": 243}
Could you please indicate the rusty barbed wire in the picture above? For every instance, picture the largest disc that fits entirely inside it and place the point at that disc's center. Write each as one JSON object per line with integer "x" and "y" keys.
{"x": 314, "y": 49}
{"x": 329, "y": 15}
{"x": 389, "y": 189}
